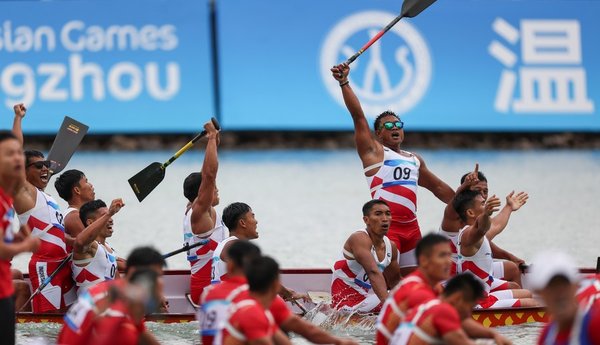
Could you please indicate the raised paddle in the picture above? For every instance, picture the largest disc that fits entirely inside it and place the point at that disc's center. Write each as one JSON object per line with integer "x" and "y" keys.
{"x": 410, "y": 8}
{"x": 144, "y": 182}
{"x": 185, "y": 248}
{"x": 47, "y": 280}
{"x": 65, "y": 144}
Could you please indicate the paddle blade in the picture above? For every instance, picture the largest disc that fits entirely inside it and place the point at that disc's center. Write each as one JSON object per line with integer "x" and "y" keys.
{"x": 411, "y": 8}
{"x": 65, "y": 144}
{"x": 146, "y": 180}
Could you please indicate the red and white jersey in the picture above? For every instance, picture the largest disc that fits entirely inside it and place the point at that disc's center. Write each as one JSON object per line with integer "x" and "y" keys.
{"x": 453, "y": 237}
{"x": 46, "y": 222}
{"x": 6, "y": 231}
{"x": 352, "y": 275}
{"x": 442, "y": 316}
{"x": 91, "y": 271}
{"x": 481, "y": 264}
{"x": 248, "y": 321}
{"x": 219, "y": 267}
{"x": 396, "y": 182}
{"x": 201, "y": 256}
{"x": 411, "y": 292}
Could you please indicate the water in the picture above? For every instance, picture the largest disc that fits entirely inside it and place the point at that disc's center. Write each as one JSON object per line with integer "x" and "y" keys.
{"x": 307, "y": 202}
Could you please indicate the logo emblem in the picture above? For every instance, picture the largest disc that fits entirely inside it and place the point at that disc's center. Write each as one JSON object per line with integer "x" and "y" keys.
{"x": 391, "y": 75}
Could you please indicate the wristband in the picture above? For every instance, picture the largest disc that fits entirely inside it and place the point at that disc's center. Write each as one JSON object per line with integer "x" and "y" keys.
{"x": 344, "y": 83}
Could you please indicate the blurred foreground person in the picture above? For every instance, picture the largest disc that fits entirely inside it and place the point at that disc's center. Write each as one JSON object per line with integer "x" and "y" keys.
{"x": 555, "y": 277}
{"x": 11, "y": 243}
{"x": 439, "y": 320}
{"x": 93, "y": 304}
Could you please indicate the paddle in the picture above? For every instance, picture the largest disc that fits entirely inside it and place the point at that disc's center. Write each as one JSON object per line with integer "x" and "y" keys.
{"x": 185, "y": 248}
{"x": 65, "y": 143}
{"x": 410, "y": 8}
{"x": 144, "y": 182}
{"x": 47, "y": 280}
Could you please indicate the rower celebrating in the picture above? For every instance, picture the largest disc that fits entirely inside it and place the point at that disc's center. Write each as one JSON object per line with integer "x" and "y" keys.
{"x": 12, "y": 166}
{"x": 439, "y": 320}
{"x": 93, "y": 259}
{"x": 43, "y": 216}
{"x": 74, "y": 188}
{"x": 201, "y": 222}
{"x": 250, "y": 321}
{"x": 474, "y": 253}
{"x": 241, "y": 222}
{"x": 369, "y": 263}
{"x": 217, "y": 298}
{"x": 392, "y": 174}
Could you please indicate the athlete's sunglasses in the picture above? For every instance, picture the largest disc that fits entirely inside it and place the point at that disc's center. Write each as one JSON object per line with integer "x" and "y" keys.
{"x": 39, "y": 164}
{"x": 390, "y": 125}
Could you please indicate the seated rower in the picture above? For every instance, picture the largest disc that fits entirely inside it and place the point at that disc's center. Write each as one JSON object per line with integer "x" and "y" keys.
{"x": 439, "y": 320}
{"x": 217, "y": 298}
{"x": 250, "y": 321}
{"x": 93, "y": 259}
{"x": 474, "y": 253}
{"x": 434, "y": 262}
{"x": 369, "y": 263}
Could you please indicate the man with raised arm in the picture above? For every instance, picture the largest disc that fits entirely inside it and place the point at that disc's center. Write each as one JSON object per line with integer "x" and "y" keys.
{"x": 368, "y": 267}
{"x": 506, "y": 265}
{"x": 474, "y": 253}
{"x": 74, "y": 188}
{"x": 392, "y": 173}
{"x": 42, "y": 214}
{"x": 201, "y": 221}
{"x": 94, "y": 260}
{"x": 12, "y": 166}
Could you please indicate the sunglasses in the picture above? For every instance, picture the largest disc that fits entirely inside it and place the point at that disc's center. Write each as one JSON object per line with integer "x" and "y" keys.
{"x": 391, "y": 125}
{"x": 39, "y": 164}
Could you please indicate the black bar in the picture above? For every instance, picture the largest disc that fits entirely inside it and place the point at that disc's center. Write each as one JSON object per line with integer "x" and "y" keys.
{"x": 214, "y": 47}
{"x": 598, "y": 265}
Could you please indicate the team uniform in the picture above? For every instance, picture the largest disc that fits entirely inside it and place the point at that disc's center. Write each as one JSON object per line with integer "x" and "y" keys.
{"x": 248, "y": 321}
{"x": 101, "y": 267}
{"x": 79, "y": 320}
{"x": 200, "y": 258}
{"x": 216, "y": 303}
{"x": 7, "y": 304}
{"x": 589, "y": 290}
{"x": 442, "y": 316}
{"x": 396, "y": 183}
{"x": 68, "y": 211}
{"x": 350, "y": 287}
{"x": 481, "y": 265}
{"x": 219, "y": 267}
{"x": 411, "y": 292}
{"x": 116, "y": 323}
{"x": 45, "y": 222}
{"x": 584, "y": 331}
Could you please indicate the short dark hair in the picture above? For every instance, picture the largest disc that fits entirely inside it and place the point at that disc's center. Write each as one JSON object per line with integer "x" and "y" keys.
{"x": 5, "y": 135}
{"x": 369, "y": 205}
{"x": 191, "y": 184}
{"x": 426, "y": 244}
{"x": 241, "y": 252}
{"x": 86, "y": 210}
{"x": 147, "y": 279}
{"x": 466, "y": 283}
{"x": 65, "y": 183}
{"x": 32, "y": 153}
{"x": 232, "y": 214}
{"x": 463, "y": 201}
{"x": 377, "y": 122}
{"x": 261, "y": 272}
{"x": 480, "y": 176}
{"x": 144, "y": 257}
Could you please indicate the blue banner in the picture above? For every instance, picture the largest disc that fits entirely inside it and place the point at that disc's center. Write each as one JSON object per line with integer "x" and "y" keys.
{"x": 117, "y": 66}
{"x": 460, "y": 65}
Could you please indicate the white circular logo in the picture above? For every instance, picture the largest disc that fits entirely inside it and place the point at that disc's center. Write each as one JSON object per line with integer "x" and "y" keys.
{"x": 389, "y": 76}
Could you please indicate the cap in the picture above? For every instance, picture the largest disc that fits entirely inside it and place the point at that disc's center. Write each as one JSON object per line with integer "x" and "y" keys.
{"x": 547, "y": 265}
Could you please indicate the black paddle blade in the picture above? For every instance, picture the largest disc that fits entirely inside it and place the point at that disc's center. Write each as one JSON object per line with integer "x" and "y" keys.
{"x": 65, "y": 144}
{"x": 146, "y": 180}
{"x": 411, "y": 8}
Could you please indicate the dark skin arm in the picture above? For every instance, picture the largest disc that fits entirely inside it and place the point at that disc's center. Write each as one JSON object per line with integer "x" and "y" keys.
{"x": 203, "y": 218}
{"x": 392, "y": 272}
{"x": 451, "y": 220}
{"x": 89, "y": 234}
{"x": 361, "y": 249}
{"x": 17, "y": 129}
{"x": 473, "y": 235}
{"x": 430, "y": 181}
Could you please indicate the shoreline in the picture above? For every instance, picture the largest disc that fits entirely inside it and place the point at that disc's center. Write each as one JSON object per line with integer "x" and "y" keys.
{"x": 330, "y": 140}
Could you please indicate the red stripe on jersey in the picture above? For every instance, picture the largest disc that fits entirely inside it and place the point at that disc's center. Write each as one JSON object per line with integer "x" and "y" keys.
{"x": 343, "y": 265}
{"x": 470, "y": 266}
{"x": 403, "y": 191}
{"x": 85, "y": 275}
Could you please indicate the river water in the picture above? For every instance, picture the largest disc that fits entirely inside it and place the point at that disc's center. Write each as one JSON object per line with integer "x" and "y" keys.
{"x": 307, "y": 202}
